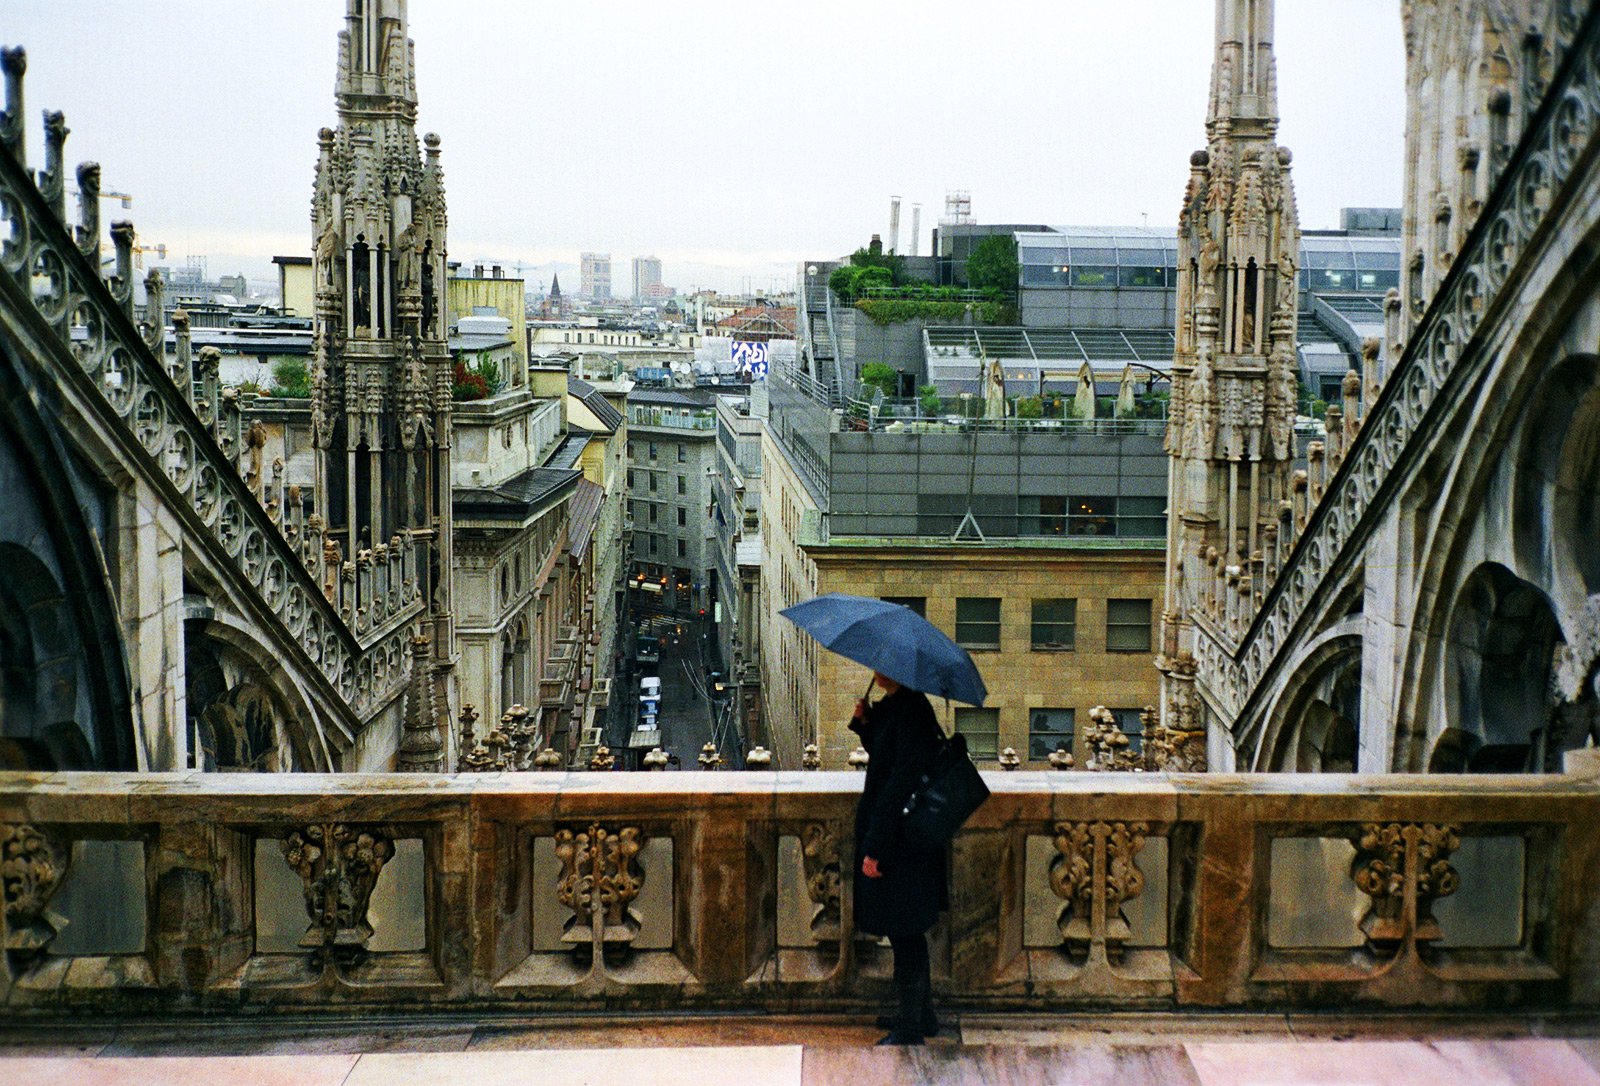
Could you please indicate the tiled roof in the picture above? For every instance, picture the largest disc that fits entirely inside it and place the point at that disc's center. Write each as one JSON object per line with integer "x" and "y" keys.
{"x": 598, "y": 405}
{"x": 571, "y": 448}
{"x": 583, "y": 516}
{"x": 671, "y": 397}
{"x": 517, "y": 496}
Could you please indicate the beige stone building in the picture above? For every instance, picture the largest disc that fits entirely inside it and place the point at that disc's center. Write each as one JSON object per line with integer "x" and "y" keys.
{"x": 1057, "y": 623}
{"x": 1054, "y": 630}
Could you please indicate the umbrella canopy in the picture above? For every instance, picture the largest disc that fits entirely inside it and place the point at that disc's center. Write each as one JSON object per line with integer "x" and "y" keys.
{"x": 892, "y": 640}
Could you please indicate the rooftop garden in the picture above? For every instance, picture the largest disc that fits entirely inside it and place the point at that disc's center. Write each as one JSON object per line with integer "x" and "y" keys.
{"x": 874, "y": 283}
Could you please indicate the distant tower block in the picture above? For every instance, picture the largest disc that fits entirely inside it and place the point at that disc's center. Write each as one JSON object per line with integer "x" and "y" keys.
{"x": 916, "y": 227}
{"x": 957, "y": 208}
{"x": 894, "y": 224}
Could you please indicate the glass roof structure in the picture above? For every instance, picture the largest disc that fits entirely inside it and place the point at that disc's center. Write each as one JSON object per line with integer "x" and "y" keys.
{"x": 1133, "y": 257}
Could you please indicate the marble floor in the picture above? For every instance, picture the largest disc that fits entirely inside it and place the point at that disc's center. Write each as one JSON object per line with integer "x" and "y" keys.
{"x": 994, "y": 1050}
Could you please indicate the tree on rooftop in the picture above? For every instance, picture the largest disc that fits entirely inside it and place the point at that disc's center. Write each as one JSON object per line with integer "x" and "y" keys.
{"x": 880, "y": 375}
{"x": 993, "y": 264}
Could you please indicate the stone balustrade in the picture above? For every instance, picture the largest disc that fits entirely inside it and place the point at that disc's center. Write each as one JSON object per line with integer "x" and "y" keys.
{"x": 199, "y": 893}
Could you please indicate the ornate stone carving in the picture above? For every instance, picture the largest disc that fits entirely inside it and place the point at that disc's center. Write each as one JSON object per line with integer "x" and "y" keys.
{"x": 811, "y": 757}
{"x": 1095, "y": 873}
{"x": 32, "y": 865}
{"x": 1388, "y": 856}
{"x": 338, "y": 865}
{"x": 1422, "y": 360}
{"x": 1107, "y": 743}
{"x": 600, "y": 878}
{"x": 824, "y": 872}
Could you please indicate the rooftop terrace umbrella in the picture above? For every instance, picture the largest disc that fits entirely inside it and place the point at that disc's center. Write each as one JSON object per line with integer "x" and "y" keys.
{"x": 892, "y": 640}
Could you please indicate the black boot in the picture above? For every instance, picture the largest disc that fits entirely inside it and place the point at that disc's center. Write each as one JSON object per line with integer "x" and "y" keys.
{"x": 914, "y": 995}
{"x": 930, "y": 1020}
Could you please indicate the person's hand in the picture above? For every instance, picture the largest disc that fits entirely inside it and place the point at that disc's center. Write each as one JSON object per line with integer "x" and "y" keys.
{"x": 869, "y": 868}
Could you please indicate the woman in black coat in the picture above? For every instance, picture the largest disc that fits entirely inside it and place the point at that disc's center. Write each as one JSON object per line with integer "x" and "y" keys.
{"x": 900, "y": 889}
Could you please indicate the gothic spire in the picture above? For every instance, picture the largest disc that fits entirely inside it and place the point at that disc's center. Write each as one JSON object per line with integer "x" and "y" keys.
{"x": 376, "y": 69}
{"x": 1230, "y": 424}
{"x": 1244, "y": 79}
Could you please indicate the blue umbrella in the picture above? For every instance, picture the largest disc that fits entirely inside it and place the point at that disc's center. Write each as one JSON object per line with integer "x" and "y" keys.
{"x": 892, "y": 640}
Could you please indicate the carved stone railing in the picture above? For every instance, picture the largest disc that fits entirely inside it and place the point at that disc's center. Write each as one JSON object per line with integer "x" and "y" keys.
{"x": 680, "y": 891}
{"x": 1333, "y": 510}
{"x": 350, "y": 618}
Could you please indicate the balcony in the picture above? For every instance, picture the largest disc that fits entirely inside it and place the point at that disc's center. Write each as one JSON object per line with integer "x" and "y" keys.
{"x": 195, "y": 893}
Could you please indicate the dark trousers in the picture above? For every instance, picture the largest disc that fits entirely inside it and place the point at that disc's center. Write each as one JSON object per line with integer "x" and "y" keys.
{"x": 913, "y": 983}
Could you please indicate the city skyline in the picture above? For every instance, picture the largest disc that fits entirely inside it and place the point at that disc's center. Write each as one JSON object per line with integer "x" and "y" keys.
{"x": 1010, "y": 115}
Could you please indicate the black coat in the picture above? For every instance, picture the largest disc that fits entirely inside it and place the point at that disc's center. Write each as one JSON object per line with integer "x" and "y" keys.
{"x": 902, "y": 737}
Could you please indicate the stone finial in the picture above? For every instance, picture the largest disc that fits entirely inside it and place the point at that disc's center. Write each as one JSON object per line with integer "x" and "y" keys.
{"x": 655, "y": 759}
{"x": 88, "y": 234}
{"x": 122, "y": 280}
{"x": 857, "y": 758}
{"x": 52, "y": 178}
{"x": 758, "y": 758}
{"x": 602, "y": 759}
{"x": 811, "y": 757}
{"x": 468, "y": 717}
{"x": 477, "y": 760}
{"x": 550, "y": 758}
{"x": 14, "y": 64}
{"x": 710, "y": 757}
{"x": 1061, "y": 759}
{"x": 1009, "y": 759}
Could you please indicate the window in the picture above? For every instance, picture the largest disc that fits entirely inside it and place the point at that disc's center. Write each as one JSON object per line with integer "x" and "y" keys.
{"x": 978, "y": 622}
{"x": 652, "y": 450}
{"x": 982, "y": 729}
{"x": 1142, "y": 276}
{"x": 683, "y": 485}
{"x": 652, "y": 544}
{"x": 630, "y": 478}
{"x": 683, "y": 548}
{"x": 1055, "y": 625}
{"x": 683, "y": 454}
{"x": 1142, "y": 518}
{"x": 1127, "y": 625}
{"x": 1092, "y": 516}
{"x": 630, "y": 450}
{"x": 683, "y": 518}
{"x": 919, "y": 604}
{"x": 1044, "y": 515}
{"x": 652, "y": 482}
{"x": 1132, "y": 726}
{"x": 1049, "y": 730}
{"x": 652, "y": 512}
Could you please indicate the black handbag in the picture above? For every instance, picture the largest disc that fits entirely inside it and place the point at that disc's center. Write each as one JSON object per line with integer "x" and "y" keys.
{"x": 948, "y": 793}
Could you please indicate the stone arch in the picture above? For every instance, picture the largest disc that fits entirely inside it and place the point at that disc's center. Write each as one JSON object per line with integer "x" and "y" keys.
{"x": 1503, "y": 634}
{"x": 1493, "y": 494}
{"x": 1557, "y": 491}
{"x": 1314, "y": 725}
{"x": 244, "y": 711}
{"x": 64, "y": 690}
{"x": 41, "y": 669}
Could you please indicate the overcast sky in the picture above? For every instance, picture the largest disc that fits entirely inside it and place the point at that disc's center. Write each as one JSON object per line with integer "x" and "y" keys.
{"x": 731, "y": 139}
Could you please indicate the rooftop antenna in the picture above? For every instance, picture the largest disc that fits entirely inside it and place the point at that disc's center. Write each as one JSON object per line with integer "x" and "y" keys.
{"x": 957, "y": 207}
